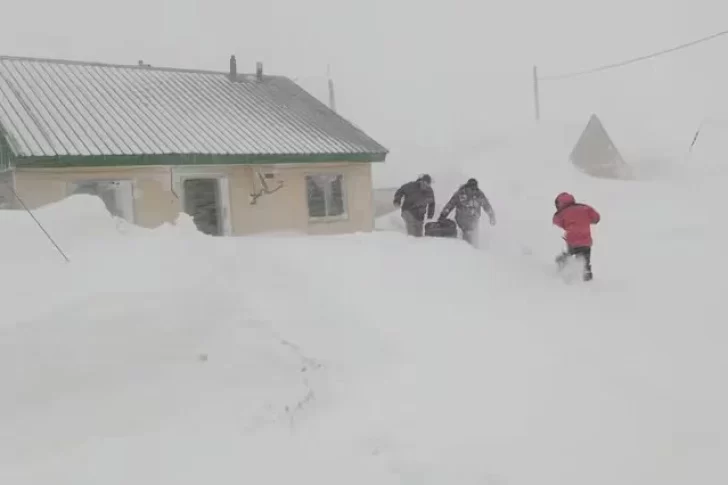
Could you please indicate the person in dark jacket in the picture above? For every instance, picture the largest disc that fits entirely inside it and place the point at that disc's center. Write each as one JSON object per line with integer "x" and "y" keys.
{"x": 419, "y": 200}
{"x": 468, "y": 201}
{"x": 576, "y": 220}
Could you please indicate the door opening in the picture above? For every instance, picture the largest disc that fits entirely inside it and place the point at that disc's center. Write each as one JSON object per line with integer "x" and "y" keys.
{"x": 202, "y": 201}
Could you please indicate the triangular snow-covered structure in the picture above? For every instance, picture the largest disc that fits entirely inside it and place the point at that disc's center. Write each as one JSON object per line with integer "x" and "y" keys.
{"x": 596, "y": 154}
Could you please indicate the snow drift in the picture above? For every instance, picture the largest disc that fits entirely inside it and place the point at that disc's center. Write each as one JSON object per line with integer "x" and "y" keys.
{"x": 169, "y": 357}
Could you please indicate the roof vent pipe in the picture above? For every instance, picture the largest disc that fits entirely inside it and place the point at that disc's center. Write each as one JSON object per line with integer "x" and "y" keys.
{"x": 233, "y": 68}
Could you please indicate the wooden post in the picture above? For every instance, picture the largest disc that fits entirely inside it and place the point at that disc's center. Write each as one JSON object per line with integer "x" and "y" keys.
{"x": 536, "y": 97}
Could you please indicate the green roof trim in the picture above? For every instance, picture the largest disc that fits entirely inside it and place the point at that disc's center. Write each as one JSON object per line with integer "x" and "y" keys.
{"x": 58, "y": 108}
{"x": 177, "y": 160}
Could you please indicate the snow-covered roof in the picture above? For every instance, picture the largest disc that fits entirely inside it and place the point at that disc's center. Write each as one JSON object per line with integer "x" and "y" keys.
{"x": 56, "y": 108}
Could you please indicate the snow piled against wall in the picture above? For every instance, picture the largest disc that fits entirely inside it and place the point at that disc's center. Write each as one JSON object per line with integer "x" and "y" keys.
{"x": 165, "y": 356}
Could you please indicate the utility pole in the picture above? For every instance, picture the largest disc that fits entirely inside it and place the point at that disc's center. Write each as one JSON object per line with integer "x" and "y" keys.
{"x": 332, "y": 95}
{"x": 536, "y": 97}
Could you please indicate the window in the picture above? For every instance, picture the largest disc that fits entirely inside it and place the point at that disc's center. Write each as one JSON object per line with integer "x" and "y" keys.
{"x": 117, "y": 195}
{"x": 325, "y": 193}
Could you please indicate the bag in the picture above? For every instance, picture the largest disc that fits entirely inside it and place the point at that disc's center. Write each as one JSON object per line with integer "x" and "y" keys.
{"x": 441, "y": 228}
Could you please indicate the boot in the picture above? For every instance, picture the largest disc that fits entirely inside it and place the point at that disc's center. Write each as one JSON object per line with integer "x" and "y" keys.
{"x": 561, "y": 260}
{"x": 588, "y": 272}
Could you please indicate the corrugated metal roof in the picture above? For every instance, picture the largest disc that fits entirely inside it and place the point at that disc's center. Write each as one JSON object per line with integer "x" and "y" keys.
{"x": 54, "y": 108}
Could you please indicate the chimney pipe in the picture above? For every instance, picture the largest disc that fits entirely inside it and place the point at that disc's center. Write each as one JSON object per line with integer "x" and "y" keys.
{"x": 259, "y": 71}
{"x": 233, "y": 68}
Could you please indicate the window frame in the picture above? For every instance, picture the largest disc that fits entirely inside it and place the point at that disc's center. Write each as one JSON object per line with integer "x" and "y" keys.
{"x": 181, "y": 173}
{"x": 344, "y": 196}
{"x": 132, "y": 202}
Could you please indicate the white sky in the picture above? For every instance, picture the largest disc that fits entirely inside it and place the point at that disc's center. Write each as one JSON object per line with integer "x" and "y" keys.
{"x": 415, "y": 75}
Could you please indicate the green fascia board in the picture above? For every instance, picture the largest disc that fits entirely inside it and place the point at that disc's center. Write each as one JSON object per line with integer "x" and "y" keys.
{"x": 182, "y": 159}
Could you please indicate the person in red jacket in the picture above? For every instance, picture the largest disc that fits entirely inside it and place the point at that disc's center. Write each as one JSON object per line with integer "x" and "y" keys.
{"x": 576, "y": 220}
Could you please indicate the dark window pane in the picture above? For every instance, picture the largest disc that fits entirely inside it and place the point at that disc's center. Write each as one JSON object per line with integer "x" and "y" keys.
{"x": 336, "y": 196}
{"x": 316, "y": 197}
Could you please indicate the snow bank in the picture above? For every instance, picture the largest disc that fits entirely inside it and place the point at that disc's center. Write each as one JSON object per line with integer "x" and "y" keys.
{"x": 78, "y": 224}
{"x": 168, "y": 357}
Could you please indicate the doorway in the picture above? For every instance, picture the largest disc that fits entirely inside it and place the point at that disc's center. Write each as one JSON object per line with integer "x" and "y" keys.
{"x": 205, "y": 199}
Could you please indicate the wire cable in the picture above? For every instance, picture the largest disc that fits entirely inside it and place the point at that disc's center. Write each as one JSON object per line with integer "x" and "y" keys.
{"x": 633, "y": 60}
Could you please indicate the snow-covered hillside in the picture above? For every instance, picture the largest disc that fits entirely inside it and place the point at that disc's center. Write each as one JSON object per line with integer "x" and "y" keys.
{"x": 169, "y": 357}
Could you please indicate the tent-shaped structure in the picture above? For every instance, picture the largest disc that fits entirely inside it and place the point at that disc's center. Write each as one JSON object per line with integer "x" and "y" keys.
{"x": 596, "y": 154}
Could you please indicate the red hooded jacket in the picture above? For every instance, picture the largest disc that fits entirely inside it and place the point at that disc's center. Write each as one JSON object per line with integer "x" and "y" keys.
{"x": 575, "y": 219}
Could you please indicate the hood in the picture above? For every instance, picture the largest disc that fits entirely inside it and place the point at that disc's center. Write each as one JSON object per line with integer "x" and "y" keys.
{"x": 564, "y": 199}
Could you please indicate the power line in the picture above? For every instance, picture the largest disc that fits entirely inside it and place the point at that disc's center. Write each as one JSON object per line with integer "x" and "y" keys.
{"x": 633, "y": 60}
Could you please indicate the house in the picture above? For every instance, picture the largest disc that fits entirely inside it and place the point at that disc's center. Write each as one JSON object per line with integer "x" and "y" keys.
{"x": 241, "y": 153}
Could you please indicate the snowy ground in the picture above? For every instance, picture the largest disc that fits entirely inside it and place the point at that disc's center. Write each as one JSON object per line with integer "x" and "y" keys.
{"x": 169, "y": 357}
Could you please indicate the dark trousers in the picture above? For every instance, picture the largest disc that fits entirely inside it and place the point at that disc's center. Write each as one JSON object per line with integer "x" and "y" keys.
{"x": 470, "y": 237}
{"x": 582, "y": 253}
{"x": 414, "y": 224}
{"x": 470, "y": 231}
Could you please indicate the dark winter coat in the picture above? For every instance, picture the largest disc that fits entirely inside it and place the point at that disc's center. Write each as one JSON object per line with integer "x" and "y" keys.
{"x": 576, "y": 220}
{"x": 468, "y": 201}
{"x": 419, "y": 199}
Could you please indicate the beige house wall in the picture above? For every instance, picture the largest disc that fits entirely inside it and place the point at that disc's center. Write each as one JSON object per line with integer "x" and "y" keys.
{"x": 287, "y": 208}
{"x": 156, "y": 202}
